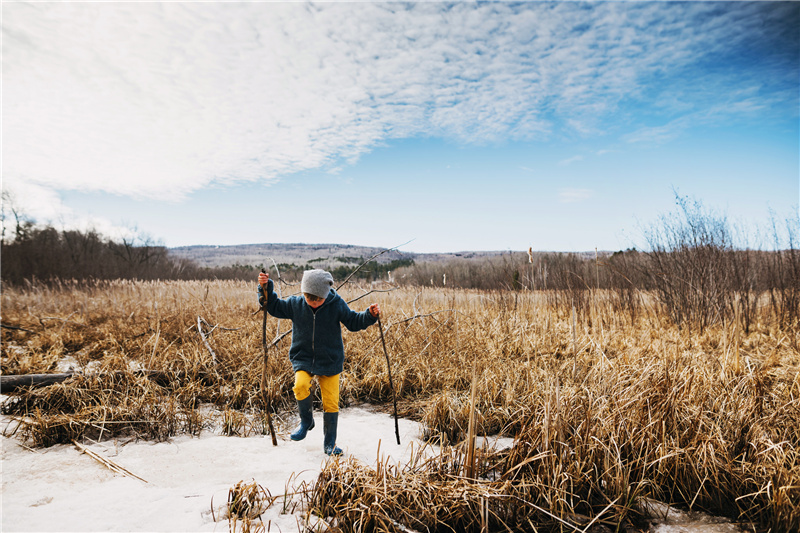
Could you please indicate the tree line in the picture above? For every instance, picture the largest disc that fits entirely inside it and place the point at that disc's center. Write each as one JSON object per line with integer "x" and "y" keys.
{"x": 697, "y": 265}
{"x": 44, "y": 253}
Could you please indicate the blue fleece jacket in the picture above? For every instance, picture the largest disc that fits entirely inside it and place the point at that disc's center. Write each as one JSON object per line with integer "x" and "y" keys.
{"x": 317, "y": 345}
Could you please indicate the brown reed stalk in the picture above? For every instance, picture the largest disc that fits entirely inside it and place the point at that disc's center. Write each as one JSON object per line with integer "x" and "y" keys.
{"x": 737, "y": 334}
{"x": 574, "y": 333}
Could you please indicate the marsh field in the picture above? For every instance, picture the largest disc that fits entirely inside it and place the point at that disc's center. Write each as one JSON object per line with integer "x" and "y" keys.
{"x": 609, "y": 409}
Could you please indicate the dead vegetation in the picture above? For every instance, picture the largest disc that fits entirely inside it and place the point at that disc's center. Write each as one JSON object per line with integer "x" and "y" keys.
{"x": 246, "y": 503}
{"x": 607, "y": 409}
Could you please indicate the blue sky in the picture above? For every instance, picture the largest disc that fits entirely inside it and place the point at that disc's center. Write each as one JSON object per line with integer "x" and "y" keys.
{"x": 462, "y": 126}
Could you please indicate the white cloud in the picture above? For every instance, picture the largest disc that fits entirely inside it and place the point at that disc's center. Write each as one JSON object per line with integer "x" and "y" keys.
{"x": 158, "y": 100}
{"x": 43, "y": 205}
{"x": 570, "y": 160}
{"x": 572, "y": 195}
{"x": 735, "y": 105}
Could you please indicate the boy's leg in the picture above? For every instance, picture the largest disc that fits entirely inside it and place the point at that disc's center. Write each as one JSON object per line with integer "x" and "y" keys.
{"x": 329, "y": 385}
{"x": 302, "y": 385}
{"x": 302, "y": 392}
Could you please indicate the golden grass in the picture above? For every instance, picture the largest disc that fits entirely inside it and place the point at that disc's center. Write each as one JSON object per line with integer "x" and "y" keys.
{"x": 604, "y": 413}
{"x": 246, "y": 503}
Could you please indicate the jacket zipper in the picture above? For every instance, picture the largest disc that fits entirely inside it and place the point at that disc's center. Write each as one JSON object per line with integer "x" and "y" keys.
{"x": 314, "y": 335}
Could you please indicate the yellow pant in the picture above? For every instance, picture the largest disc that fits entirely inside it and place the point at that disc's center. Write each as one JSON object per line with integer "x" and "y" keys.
{"x": 328, "y": 385}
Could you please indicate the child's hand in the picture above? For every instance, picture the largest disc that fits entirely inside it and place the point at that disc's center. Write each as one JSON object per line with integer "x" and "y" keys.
{"x": 374, "y": 310}
{"x": 263, "y": 278}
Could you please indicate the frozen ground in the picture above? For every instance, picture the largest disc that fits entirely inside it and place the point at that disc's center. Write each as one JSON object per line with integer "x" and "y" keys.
{"x": 60, "y": 489}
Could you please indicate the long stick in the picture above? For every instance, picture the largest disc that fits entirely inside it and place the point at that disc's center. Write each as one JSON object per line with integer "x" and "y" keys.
{"x": 264, "y": 369}
{"x": 471, "y": 429}
{"x": 391, "y": 384}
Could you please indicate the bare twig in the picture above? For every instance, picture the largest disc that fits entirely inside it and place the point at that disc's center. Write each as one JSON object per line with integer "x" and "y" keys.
{"x": 469, "y": 469}
{"x": 108, "y": 463}
{"x": 280, "y": 278}
{"x": 391, "y": 384}
{"x": 63, "y": 321}
{"x": 265, "y": 345}
{"x": 342, "y": 284}
{"x": 409, "y": 319}
{"x": 370, "y": 292}
{"x": 280, "y": 294}
{"x": 280, "y": 337}
{"x": 222, "y": 329}
{"x": 200, "y": 323}
{"x": 548, "y": 513}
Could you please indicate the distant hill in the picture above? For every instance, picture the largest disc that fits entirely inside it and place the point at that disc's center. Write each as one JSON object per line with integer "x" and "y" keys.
{"x": 322, "y": 255}
{"x": 326, "y": 256}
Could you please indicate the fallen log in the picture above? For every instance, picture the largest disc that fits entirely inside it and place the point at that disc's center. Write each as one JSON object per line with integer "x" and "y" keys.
{"x": 12, "y": 383}
{"x": 17, "y": 328}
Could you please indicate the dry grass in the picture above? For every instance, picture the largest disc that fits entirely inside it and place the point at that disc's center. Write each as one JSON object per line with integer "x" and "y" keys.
{"x": 112, "y": 331}
{"x": 246, "y": 503}
{"x": 709, "y": 421}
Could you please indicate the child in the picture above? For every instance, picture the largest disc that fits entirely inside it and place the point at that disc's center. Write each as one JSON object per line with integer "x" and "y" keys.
{"x": 317, "y": 348}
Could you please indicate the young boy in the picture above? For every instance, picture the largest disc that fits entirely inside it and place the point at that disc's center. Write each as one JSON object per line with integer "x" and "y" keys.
{"x": 317, "y": 348}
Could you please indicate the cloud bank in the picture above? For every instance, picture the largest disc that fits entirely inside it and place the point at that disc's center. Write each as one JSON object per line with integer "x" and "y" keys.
{"x": 158, "y": 100}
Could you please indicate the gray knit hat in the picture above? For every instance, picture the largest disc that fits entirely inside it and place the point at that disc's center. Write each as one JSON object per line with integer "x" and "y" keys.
{"x": 317, "y": 282}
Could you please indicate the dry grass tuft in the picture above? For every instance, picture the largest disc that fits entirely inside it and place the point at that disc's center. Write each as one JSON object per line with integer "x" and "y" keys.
{"x": 430, "y": 495}
{"x": 246, "y": 503}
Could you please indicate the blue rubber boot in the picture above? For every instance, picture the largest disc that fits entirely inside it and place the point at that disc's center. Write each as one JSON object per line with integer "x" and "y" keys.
{"x": 330, "y": 421}
{"x": 306, "y": 419}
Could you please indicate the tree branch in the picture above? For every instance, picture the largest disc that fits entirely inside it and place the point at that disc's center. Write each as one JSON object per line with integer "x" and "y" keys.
{"x": 370, "y": 292}
{"x": 200, "y": 323}
{"x": 367, "y": 261}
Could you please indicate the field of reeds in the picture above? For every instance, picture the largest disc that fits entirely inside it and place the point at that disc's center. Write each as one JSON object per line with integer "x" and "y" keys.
{"x": 609, "y": 410}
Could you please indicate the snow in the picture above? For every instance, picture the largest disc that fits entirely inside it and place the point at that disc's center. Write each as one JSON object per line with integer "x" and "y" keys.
{"x": 62, "y": 489}
{"x": 672, "y": 520}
